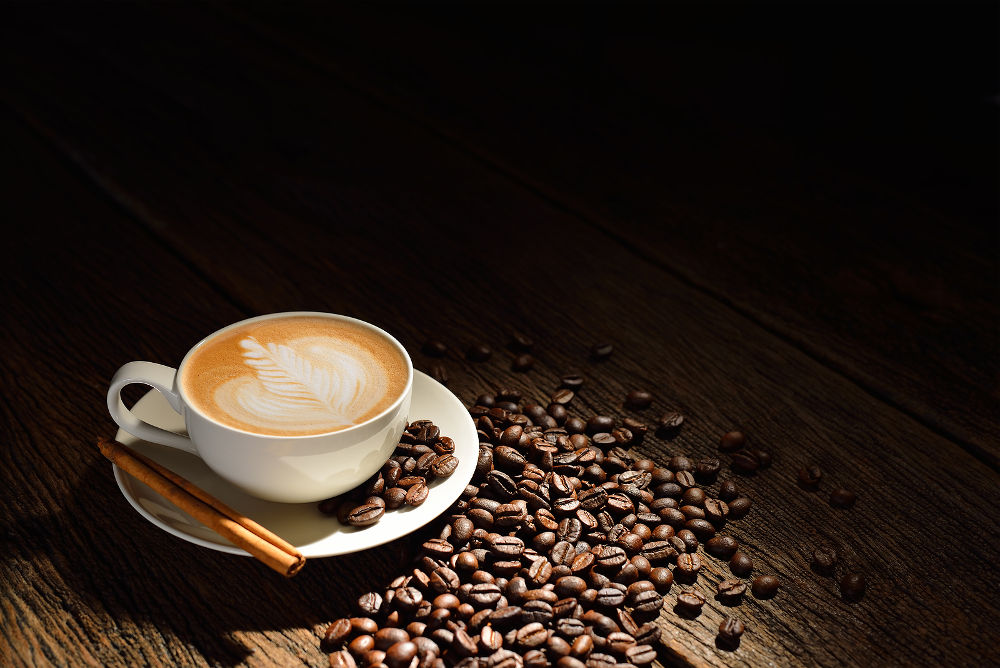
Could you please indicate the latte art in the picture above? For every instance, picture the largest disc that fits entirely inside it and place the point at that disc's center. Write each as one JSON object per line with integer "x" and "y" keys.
{"x": 296, "y": 375}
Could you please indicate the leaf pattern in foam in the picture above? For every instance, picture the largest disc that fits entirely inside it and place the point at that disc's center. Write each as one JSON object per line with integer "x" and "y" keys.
{"x": 286, "y": 374}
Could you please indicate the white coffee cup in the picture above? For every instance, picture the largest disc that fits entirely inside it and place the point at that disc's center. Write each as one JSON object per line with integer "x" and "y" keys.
{"x": 276, "y": 467}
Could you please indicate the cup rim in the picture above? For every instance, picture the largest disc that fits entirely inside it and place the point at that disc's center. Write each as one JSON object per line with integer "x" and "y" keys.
{"x": 188, "y": 405}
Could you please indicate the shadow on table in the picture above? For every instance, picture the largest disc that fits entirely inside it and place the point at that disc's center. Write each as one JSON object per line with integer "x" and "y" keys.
{"x": 127, "y": 568}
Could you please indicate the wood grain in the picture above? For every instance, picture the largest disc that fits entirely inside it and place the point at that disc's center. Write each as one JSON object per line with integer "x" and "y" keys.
{"x": 906, "y": 310}
{"x": 319, "y": 198}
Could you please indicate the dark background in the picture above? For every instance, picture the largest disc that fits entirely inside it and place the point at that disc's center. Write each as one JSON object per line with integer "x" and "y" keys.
{"x": 784, "y": 217}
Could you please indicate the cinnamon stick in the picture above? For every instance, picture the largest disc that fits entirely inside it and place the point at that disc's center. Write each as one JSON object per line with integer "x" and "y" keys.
{"x": 210, "y": 511}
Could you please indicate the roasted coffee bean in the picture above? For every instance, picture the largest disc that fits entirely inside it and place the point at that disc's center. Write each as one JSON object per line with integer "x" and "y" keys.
{"x": 599, "y": 424}
{"x": 562, "y": 397}
{"x": 701, "y": 528}
{"x": 370, "y": 604}
{"x": 745, "y": 461}
{"x": 400, "y": 655}
{"x": 640, "y": 655}
{"x": 361, "y": 645}
{"x": 365, "y": 515}
{"x": 569, "y": 586}
{"x": 739, "y": 507}
{"x": 706, "y": 470}
{"x": 740, "y": 564}
{"x": 417, "y": 494}
{"x": 444, "y": 465}
{"x": 842, "y": 498}
{"x": 669, "y": 423}
{"x": 444, "y": 579}
{"x": 437, "y": 548}
{"x": 523, "y": 362}
{"x": 604, "y": 440}
{"x": 337, "y": 634}
{"x": 647, "y": 602}
{"x": 659, "y": 551}
{"x": 463, "y": 644}
{"x": 389, "y": 636}
{"x": 538, "y": 610}
{"x": 532, "y": 659}
{"x": 406, "y": 482}
{"x": 731, "y": 589}
{"x": 563, "y": 552}
{"x": 540, "y": 571}
{"x": 408, "y": 598}
{"x": 484, "y": 594}
{"x": 611, "y": 556}
{"x": 764, "y": 458}
{"x": 809, "y": 476}
{"x": 672, "y": 517}
{"x": 688, "y": 564}
{"x": 467, "y": 562}
{"x": 637, "y": 400}
{"x": 434, "y": 348}
{"x": 582, "y": 646}
{"x": 728, "y": 490}
{"x": 531, "y": 636}
{"x": 601, "y": 351}
{"x": 716, "y": 511}
{"x": 730, "y": 630}
{"x": 694, "y": 496}
{"x": 478, "y": 352}
{"x": 765, "y": 586}
{"x": 680, "y": 463}
{"x": 661, "y": 578}
{"x": 690, "y": 601}
{"x": 689, "y": 539}
{"x": 732, "y": 441}
{"x": 501, "y": 484}
{"x": 609, "y": 597}
{"x": 824, "y": 560}
{"x": 852, "y": 586}
{"x": 490, "y": 638}
{"x": 722, "y": 547}
{"x": 342, "y": 659}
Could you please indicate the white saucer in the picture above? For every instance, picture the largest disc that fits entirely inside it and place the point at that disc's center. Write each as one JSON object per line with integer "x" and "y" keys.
{"x": 312, "y": 532}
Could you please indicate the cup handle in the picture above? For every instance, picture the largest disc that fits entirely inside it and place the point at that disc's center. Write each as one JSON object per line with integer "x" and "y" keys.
{"x": 160, "y": 378}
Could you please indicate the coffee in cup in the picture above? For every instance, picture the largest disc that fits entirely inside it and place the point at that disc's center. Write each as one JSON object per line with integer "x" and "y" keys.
{"x": 293, "y": 407}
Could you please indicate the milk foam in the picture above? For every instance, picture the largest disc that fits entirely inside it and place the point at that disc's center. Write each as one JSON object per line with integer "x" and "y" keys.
{"x": 297, "y": 384}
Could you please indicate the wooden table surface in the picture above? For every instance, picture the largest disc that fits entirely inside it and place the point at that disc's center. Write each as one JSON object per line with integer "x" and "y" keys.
{"x": 781, "y": 229}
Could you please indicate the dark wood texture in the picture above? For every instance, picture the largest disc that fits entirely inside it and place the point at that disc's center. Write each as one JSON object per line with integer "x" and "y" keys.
{"x": 174, "y": 169}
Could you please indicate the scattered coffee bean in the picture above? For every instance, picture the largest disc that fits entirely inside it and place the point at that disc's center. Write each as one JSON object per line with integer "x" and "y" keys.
{"x": 342, "y": 659}
{"x": 520, "y": 343}
{"x": 668, "y": 424}
{"x": 439, "y": 372}
{"x": 765, "y": 586}
{"x": 728, "y": 490}
{"x": 764, "y": 458}
{"x": 731, "y": 589}
{"x": 690, "y": 601}
{"x": 478, "y": 352}
{"x": 722, "y": 547}
{"x": 741, "y": 564}
{"x": 638, "y": 400}
{"x": 745, "y": 461}
{"x": 852, "y": 586}
{"x": 434, "y": 348}
{"x": 732, "y": 441}
{"x": 809, "y": 476}
{"x": 601, "y": 351}
{"x": 523, "y": 362}
{"x": 842, "y": 498}
{"x": 739, "y": 507}
{"x": 571, "y": 382}
{"x": 824, "y": 560}
{"x": 730, "y": 630}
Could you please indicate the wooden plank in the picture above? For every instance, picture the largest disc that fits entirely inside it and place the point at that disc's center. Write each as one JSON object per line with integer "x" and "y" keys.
{"x": 610, "y": 122}
{"x": 473, "y": 257}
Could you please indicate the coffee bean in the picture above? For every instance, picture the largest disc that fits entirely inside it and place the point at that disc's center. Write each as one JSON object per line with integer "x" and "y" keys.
{"x": 562, "y": 396}
{"x": 637, "y": 400}
{"x": 824, "y": 560}
{"x": 809, "y": 476}
{"x": 571, "y": 381}
{"x": 706, "y": 470}
{"x": 400, "y": 654}
{"x": 531, "y": 635}
{"x": 765, "y": 586}
{"x": 365, "y": 515}
{"x": 680, "y": 463}
{"x": 741, "y": 564}
{"x": 389, "y": 636}
{"x": 694, "y": 496}
{"x": 600, "y": 423}
{"x": 701, "y": 528}
{"x": 688, "y": 564}
{"x": 434, "y": 348}
{"x": 730, "y": 630}
{"x": 852, "y": 586}
{"x": 764, "y": 458}
{"x": 688, "y": 538}
{"x": 523, "y": 362}
{"x": 640, "y": 655}
{"x": 668, "y": 424}
{"x": 842, "y": 498}
{"x": 739, "y": 507}
{"x": 722, "y": 547}
{"x": 337, "y": 634}
{"x": 731, "y": 589}
{"x": 484, "y": 594}
{"x": 745, "y": 461}
{"x": 370, "y": 604}
{"x": 611, "y": 556}
{"x": 417, "y": 494}
{"x": 728, "y": 490}
{"x": 478, "y": 352}
{"x": 659, "y": 551}
{"x": 609, "y": 597}
{"x": 601, "y": 351}
{"x": 732, "y": 441}
{"x": 690, "y": 601}
{"x": 661, "y": 577}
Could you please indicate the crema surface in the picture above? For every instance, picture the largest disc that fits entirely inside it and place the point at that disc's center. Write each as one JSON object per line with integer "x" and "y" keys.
{"x": 294, "y": 376}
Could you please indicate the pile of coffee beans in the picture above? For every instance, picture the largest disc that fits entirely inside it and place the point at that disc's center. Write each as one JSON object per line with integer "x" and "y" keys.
{"x": 561, "y": 551}
{"x": 422, "y": 456}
